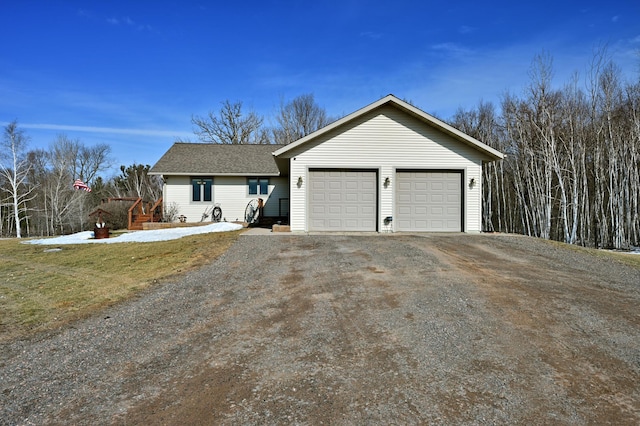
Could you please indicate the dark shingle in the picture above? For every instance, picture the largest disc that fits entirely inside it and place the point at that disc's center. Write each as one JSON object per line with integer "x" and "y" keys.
{"x": 216, "y": 159}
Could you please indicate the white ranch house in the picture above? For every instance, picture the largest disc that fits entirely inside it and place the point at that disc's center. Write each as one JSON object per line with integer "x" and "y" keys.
{"x": 388, "y": 167}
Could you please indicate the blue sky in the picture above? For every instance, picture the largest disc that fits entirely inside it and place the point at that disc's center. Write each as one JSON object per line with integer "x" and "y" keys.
{"x": 132, "y": 73}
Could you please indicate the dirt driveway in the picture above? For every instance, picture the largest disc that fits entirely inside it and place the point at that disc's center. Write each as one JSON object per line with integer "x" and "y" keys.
{"x": 439, "y": 329}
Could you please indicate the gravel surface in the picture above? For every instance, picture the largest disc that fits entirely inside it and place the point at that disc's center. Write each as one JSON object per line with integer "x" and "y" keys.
{"x": 386, "y": 329}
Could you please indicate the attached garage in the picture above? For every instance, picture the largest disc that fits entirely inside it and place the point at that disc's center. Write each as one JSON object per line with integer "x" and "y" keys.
{"x": 388, "y": 167}
{"x": 342, "y": 200}
{"x": 429, "y": 201}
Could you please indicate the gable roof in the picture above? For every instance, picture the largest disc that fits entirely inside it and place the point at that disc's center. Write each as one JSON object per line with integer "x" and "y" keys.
{"x": 493, "y": 154}
{"x": 217, "y": 159}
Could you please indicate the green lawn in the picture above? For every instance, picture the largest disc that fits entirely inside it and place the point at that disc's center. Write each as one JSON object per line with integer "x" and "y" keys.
{"x": 42, "y": 289}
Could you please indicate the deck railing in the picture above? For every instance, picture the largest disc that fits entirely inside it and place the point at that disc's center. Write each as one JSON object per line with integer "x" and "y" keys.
{"x": 144, "y": 211}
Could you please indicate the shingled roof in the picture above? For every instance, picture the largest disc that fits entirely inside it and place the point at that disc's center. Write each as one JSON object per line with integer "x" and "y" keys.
{"x": 215, "y": 159}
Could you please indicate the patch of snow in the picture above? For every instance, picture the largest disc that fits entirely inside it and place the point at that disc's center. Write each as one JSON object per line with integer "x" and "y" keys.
{"x": 86, "y": 237}
{"x": 632, "y": 250}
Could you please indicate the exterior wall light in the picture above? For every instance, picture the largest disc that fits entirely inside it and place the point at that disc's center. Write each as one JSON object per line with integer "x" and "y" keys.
{"x": 472, "y": 182}
{"x": 299, "y": 181}
{"x": 387, "y": 181}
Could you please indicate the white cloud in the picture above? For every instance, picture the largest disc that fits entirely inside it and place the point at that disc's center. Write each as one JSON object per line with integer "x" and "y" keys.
{"x": 452, "y": 49}
{"x": 85, "y": 13}
{"x": 465, "y": 29}
{"x": 104, "y": 130}
{"x": 126, "y": 20}
{"x": 371, "y": 35}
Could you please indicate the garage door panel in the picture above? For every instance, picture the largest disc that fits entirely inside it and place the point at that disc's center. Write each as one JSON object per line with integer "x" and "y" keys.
{"x": 317, "y": 186}
{"x": 404, "y": 197}
{"x": 318, "y": 197}
{"x": 350, "y": 199}
{"x": 419, "y": 186}
{"x": 429, "y": 201}
{"x": 368, "y": 198}
{"x": 318, "y": 210}
{"x": 351, "y": 210}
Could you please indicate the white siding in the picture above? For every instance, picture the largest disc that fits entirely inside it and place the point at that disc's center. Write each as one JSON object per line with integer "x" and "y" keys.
{"x": 386, "y": 139}
{"x": 231, "y": 192}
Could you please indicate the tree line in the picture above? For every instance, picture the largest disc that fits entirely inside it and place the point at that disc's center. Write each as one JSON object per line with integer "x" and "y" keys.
{"x": 37, "y": 192}
{"x": 572, "y": 166}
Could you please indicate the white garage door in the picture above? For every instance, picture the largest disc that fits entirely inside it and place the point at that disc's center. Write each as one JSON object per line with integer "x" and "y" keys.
{"x": 342, "y": 200}
{"x": 429, "y": 201}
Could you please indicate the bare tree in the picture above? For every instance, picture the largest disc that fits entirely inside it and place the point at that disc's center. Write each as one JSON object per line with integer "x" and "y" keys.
{"x": 573, "y": 158}
{"x": 63, "y": 201}
{"x": 229, "y": 126}
{"x": 135, "y": 181}
{"x": 15, "y": 167}
{"x": 90, "y": 160}
{"x": 481, "y": 123}
{"x": 298, "y": 118}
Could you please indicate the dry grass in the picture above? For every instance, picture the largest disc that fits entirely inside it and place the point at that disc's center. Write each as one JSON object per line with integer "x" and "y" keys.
{"x": 41, "y": 290}
{"x": 626, "y": 258}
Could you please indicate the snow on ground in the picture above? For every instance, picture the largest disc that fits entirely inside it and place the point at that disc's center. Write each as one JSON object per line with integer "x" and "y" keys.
{"x": 138, "y": 236}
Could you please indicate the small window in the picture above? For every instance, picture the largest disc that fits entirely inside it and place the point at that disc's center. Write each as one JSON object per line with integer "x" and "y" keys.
{"x": 258, "y": 186}
{"x": 201, "y": 189}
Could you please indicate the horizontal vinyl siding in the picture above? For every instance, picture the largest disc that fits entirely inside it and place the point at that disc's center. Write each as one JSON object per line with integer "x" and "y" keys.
{"x": 178, "y": 191}
{"x": 230, "y": 192}
{"x": 386, "y": 139}
{"x": 297, "y": 205}
{"x": 278, "y": 189}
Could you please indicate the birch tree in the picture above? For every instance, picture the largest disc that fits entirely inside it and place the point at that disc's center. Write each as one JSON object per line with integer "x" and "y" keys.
{"x": 15, "y": 168}
{"x": 573, "y": 158}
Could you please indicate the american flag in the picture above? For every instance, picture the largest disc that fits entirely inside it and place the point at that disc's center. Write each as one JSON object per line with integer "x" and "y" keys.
{"x": 78, "y": 184}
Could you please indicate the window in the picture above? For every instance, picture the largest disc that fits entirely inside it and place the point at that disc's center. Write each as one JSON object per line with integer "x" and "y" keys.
{"x": 258, "y": 186}
{"x": 201, "y": 189}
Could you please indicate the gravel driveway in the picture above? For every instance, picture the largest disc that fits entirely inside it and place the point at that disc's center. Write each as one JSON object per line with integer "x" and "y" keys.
{"x": 387, "y": 329}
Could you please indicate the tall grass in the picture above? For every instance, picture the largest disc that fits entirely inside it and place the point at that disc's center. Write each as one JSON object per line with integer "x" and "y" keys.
{"x": 42, "y": 289}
